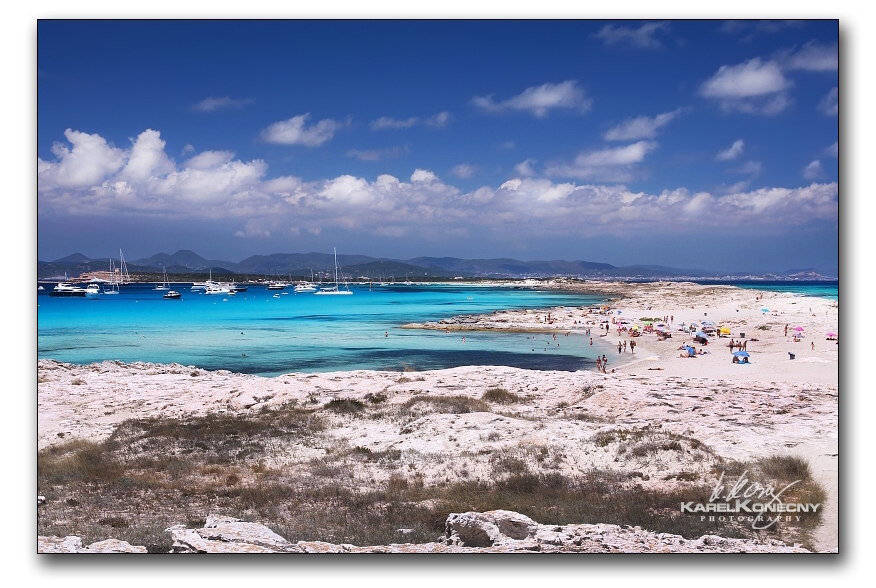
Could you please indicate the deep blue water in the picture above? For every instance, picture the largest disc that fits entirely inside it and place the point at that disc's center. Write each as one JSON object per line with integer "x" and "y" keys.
{"x": 254, "y": 332}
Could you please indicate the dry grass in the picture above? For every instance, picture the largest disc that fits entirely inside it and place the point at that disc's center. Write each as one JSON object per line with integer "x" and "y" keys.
{"x": 155, "y": 473}
{"x": 500, "y": 396}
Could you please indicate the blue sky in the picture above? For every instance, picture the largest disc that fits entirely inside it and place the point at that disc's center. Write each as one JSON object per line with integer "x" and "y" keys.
{"x": 707, "y": 144}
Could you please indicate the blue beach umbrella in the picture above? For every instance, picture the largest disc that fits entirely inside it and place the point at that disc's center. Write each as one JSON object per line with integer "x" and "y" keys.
{"x": 741, "y": 354}
{"x": 764, "y": 309}
{"x": 700, "y": 334}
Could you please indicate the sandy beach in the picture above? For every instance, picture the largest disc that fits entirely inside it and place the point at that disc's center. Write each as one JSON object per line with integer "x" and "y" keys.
{"x": 563, "y": 422}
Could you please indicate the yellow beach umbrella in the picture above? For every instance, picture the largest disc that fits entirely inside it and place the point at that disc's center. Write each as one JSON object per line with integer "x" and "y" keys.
{"x": 724, "y": 330}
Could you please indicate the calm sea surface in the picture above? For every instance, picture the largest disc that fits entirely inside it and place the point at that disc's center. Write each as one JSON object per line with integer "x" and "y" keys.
{"x": 829, "y": 290}
{"x": 254, "y": 332}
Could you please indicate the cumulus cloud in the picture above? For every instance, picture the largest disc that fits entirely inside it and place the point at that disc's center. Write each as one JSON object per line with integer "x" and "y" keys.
{"x": 732, "y": 152}
{"x": 642, "y": 127}
{"x": 216, "y": 185}
{"x": 833, "y": 150}
{"x": 754, "y": 87}
{"x": 213, "y": 103}
{"x": 813, "y": 171}
{"x": 829, "y": 105}
{"x": 89, "y": 160}
{"x": 295, "y": 132}
{"x": 643, "y": 38}
{"x": 539, "y": 100}
{"x": 386, "y": 122}
{"x": 463, "y": 170}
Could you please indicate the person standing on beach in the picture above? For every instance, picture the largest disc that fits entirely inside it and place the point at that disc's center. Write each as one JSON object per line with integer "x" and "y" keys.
{"x": 625, "y": 346}
{"x": 813, "y": 346}
{"x": 598, "y": 364}
{"x": 632, "y": 346}
{"x": 744, "y": 344}
{"x": 619, "y": 346}
{"x": 591, "y": 341}
{"x": 786, "y": 330}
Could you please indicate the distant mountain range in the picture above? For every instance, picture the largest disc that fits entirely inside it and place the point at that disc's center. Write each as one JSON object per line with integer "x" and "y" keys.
{"x": 354, "y": 266}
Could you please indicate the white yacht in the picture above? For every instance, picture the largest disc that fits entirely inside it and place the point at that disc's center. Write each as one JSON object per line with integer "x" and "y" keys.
{"x": 92, "y": 291}
{"x": 334, "y": 289}
{"x": 67, "y": 289}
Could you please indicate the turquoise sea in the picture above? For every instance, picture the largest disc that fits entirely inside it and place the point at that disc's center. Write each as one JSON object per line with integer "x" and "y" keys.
{"x": 829, "y": 290}
{"x": 253, "y": 332}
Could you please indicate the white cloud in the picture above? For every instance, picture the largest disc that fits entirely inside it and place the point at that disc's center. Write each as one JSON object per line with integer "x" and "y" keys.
{"x": 829, "y": 105}
{"x": 147, "y": 157}
{"x": 422, "y": 175}
{"x": 539, "y": 99}
{"x": 833, "y": 150}
{"x": 294, "y": 131}
{"x": 643, "y": 37}
{"x": 463, "y": 170}
{"x": 613, "y": 164}
{"x": 215, "y": 185}
{"x": 751, "y": 167}
{"x": 439, "y": 120}
{"x": 642, "y": 127}
{"x": 506, "y": 145}
{"x": 89, "y": 161}
{"x": 813, "y": 171}
{"x": 213, "y": 104}
{"x": 732, "y": 152}
{"x": 754, "y": 87}
{"x": 524, "y": 168}
{"x": 377, "y": 154}
{"x": 386, "y": 122}
{"x": 187, "y": 149}
{"x": 813, "y": 57}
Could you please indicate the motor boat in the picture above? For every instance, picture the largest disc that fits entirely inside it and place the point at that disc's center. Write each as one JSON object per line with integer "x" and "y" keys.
{"x": 67, "y": 289}
{"x": 172, "y": 295}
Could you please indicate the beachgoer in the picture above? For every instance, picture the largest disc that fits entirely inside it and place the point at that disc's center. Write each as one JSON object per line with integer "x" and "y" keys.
{"x": 732, "y": 344}
{"x": 619, "y": 346}
{"x": 632, "y": 346}
{"x": 735, "y": 359}
{"x": 813, "y": 346}
{"x": 786, "y": 330}
{"x": 672, "y": 318}
{"x": 555, "y": 336}
{"x": 463, "y": 339}
{"x": 744, "y": 344}
{"x": 386, "y": 333}
{"x": 604, "y": 359}
{"x": 598, "y": 364}
{"x": 625, "y": 346}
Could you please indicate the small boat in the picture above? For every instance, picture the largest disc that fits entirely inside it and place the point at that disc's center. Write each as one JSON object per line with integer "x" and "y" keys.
{"x": 334, "y": 290}
{"x": 164, "y": 285}
{"x": 277, "y": 295}
{"x": 113, "y": 285}
{"x": 172, "y": 295}
{"x": 237, "y": 287}
{"x": 92, "y": 291}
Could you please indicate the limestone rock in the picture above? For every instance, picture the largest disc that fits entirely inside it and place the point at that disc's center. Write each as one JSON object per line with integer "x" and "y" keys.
{"x": 73, "y": 544}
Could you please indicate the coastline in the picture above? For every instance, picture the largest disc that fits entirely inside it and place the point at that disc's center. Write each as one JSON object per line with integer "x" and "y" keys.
{"x": 780, "y": 407}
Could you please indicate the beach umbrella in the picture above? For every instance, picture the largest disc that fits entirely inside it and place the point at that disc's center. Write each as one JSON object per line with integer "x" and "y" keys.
{"x": 764, "y": 309}
{"x": 831, "y": 334}
{"x": 798, "y": 328}
{"x": 700, "y": 334}
{"x": 724, "y": 330}
{"x": 741, "y": 354}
